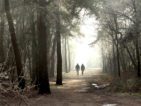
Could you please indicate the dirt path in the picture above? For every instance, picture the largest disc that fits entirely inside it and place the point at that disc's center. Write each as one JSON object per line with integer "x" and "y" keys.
{"x": 77, "y": 91}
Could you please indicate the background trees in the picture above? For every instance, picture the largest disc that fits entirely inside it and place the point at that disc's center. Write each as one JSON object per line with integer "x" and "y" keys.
{"x": 37, "y": 30}
{"x": 40, "y": 30}
{"x": 120, "y": 28}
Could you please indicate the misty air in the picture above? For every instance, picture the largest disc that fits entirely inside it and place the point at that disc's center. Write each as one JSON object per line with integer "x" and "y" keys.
{"x": 70, "y": 52}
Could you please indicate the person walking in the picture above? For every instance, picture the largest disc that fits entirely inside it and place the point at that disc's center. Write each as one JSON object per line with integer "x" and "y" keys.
{"x": 82, "y": 68}
{"x": 77, "y": 68}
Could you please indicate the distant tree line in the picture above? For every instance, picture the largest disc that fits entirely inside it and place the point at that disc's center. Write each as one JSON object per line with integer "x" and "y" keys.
{"x": 120, "y": 36}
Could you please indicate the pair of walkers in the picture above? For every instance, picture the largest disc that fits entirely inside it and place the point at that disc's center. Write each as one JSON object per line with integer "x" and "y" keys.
{"x": 77, "y": 68}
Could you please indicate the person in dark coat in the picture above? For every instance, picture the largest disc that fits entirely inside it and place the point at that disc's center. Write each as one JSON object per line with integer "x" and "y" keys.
{"x": 82, "y": 68}
{"x": 21, "y": 84}
{"x": 77, "y": 68}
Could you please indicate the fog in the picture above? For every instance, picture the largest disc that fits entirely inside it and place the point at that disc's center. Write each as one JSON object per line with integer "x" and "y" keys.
{"x": 81, "y": 51}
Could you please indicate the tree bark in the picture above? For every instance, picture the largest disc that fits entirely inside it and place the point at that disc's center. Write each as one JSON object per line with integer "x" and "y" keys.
{"x": 131, "y": 57}
{"x": 118, "y": 61}
{"x": 137, "y": 32}
{"x": 14, "y": 40}
{"x": 53, "y": 58}
{"x": 117, "y": 44}
{"x": 138, "y": 58}
{"x": 69, "y": 57}
{"x": 114, "y": 57}
{"x": 43, "y": 79}
{"x": 2, "y": 56}
{"x": 59, "y": 54}
{"x": 66, "y": 62}
{"x": 34, "y": 71}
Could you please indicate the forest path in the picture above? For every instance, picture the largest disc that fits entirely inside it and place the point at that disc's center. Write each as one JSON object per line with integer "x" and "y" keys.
{"x": 77, "y": 91}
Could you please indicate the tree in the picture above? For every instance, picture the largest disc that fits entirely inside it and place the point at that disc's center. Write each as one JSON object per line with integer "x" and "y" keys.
{"x": 120, "y": 24}
{"x": 2, "y": 56}
{"x": 43, "y": 79}
{"x": 14, "y": 40}
{"x": 59, "y": 54}
{"x": 65, "y": 57}
{"x": 34, "y": 71}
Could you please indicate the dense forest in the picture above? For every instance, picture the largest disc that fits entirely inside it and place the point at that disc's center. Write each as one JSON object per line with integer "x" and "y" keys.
{"x": 35, "y": 48}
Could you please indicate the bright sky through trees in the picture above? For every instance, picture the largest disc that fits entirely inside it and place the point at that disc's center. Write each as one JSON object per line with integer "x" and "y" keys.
{"x": 84, "y": 54}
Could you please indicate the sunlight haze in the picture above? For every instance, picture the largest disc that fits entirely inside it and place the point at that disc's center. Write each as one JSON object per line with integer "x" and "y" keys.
{"x": 84, "y": 54}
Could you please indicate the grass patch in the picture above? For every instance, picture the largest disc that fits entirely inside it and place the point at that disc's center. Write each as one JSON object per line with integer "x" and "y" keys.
{"x": 132, "y": 85}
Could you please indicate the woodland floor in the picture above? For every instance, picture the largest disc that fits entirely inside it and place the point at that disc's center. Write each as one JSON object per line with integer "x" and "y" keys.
{"x": 76, "y": 91}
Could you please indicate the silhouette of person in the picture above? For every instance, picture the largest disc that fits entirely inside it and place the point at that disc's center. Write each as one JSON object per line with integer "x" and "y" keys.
{"x": 82, "y": 68}
{"x": 77, "y": 68}
{"x": 21, "y": 84}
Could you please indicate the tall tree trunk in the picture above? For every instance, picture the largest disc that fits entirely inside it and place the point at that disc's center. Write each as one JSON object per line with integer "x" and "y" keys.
{"x": 2, "y": 56}
{"x": 114, "y": 58}
{"x": 69, "y": 57}
{"x": 66, "y": 62}
{"x": 53, "y": 58}
{"x": 43, "y": 80}
{"x": 137, "y": 32}
{"x": 59, "y": 55}
{"x": 14, "y": 40}
{"x": 34, "y": 71}
{"x": 131, "y": 57}
{"x": 138, "y": 58}
{"x": 103, "y": 59}
{"x": 118, "y": 59}
{"x": 117, "y": 44}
